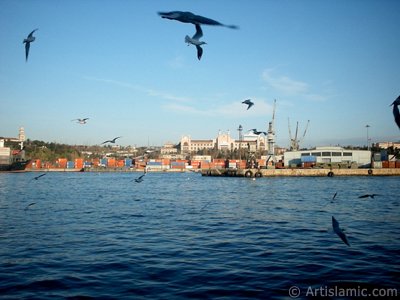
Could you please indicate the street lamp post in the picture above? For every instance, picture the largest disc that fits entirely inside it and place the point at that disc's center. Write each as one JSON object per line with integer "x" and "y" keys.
{"x": 367, "y": 126}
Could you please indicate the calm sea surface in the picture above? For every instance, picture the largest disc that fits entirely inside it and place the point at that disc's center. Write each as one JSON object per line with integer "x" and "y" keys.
{"x": 183, "y": 236}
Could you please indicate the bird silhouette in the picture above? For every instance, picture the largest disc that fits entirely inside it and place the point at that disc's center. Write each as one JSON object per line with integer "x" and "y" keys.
{"x": 334, "y": 196}
{"x": 368, "y": 195}
{"x": 396, "y": 112}
{"x": 188, "y": 17}
{"x": 248, "y": 102}
{"x": 28, "y": 42}
{"x": 339, "y": 231}
{"x": 195, "y": 40}
{"x": 29, "y": 205}
{"x": 255, "y": 131}
{"x": 140, "y": 178}
{"x": 111, "y": 141}
{"x": 37, "y": 177}
{"x": 81, "y": 121}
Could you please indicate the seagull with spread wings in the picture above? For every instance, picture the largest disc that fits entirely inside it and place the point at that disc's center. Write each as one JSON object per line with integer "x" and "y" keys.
{"x": 28, "y": 42}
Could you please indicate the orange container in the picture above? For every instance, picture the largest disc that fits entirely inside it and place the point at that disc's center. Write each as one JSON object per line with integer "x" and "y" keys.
{"x": 392, "y": 164}
{"x": 62, "y": 163}
{"x": 121, "y": 163}
{"x": 111, "y": 162}
{"x": 79, "y": 163}
{"x": 385, "y": 164}
{"x": 38, "y": 164}
{"x": 398, "y": 164}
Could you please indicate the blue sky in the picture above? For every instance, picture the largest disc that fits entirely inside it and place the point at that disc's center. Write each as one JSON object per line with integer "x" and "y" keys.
{"x": 335, "y": 63}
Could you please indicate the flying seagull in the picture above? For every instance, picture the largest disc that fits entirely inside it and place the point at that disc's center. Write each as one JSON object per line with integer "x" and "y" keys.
{"x": 258, "y": 132}
{"x": 37, "y": 177}
{"x": 140, "y": 178}
{"x": 368, "y": 195}
{"x": 81, "y": 121}
{"x": 188, "y": 17}
{"x": 396, "y": 112}
{"x": 334, "y": 196}
{"x": 29, "y": 205}
{"x": 195, "y": 40}
{"x": 28, "y": 42}
{"x": 111, "y": 141}
{"x": 339, "y": 231}
{"x": 249, "y": 103}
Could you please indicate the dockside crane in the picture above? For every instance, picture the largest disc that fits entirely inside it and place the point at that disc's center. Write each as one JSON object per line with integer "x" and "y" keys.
{"x": 295, "y": 142}
{"x": 271, "y": 137}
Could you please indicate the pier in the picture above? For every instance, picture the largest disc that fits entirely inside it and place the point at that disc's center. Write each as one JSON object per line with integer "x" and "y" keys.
{"x": 299, "y": 172}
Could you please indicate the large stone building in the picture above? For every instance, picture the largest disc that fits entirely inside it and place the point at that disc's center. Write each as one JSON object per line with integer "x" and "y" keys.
{"x": 224, "y": 141}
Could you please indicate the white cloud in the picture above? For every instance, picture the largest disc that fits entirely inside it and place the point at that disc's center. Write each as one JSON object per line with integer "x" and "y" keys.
{"x": 290, "y": 87}
{"x": 232, "y": 109}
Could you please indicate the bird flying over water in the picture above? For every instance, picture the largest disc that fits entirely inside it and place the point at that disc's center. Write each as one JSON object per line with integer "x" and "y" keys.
{"x": 396, "y": 112}
{"x": 248, "y": 102}
{"x": 29, "y": 205}
{"x": 111, "y": 141}
{"x": 81, "y": 121}
{"x": 339, "y": 231}
{"x": 140, "y": 178}
{"x": 28, "y": 42}
{"x": 195, "y": 40}
{"x": 37, "y": 177}
{"x": 334, "y": 196}
{"x": 188, "y": 17}
{"x": 368, "y": 195}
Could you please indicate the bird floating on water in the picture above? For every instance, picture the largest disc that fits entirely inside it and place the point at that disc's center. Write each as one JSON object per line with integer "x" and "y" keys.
{"x": 396, "y": 112}
{"x": 248, "y": 102}
{"x": 81, "y": 121}
{"x": 339, "y": 231}
{"x": 28, "y": 42}
{"x": 37, "y": 177}
{"x": 188, "y": 17}
{"x": 111, "y": 141}
{"x": 368, "y": 195}
{"x": 195, "y": 40}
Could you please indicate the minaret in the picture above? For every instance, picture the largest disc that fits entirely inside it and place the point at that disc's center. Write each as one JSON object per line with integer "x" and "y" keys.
{"x": 21, "y": 134}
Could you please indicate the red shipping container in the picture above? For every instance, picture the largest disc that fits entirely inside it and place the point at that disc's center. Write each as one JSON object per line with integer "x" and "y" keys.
{"x": 79, "y": 163}
{"x": 385, "y": 164}
{"x": 398, "y": 164}
{"x": 392, "y": 164}
{"x": 111, "y": 162}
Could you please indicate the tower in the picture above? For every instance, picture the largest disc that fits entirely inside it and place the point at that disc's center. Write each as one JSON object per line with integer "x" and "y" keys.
{"x": 21, "y": 134}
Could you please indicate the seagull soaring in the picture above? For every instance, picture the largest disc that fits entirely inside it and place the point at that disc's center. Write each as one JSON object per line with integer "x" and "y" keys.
{"x": 396, "y": 112}
{"x": 195, "y": 40}
{"x": 368, "y": 195}
{"x": 28, "y": 42}
{"x": 37, "y": 177}
{"x": 339, "y": 231}
{"x": 140, "y": 178}
{"x": 111, "y": 141}
{"x": 248, "y": 102}
{"x": 81, "y": 121}
{"x": 258, "y": 132}
{"x": 188, "y": 17}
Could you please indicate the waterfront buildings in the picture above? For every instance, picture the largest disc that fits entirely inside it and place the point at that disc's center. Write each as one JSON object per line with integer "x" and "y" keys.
{"x": 224, "y": 141}
{"x": 328, "y": 155}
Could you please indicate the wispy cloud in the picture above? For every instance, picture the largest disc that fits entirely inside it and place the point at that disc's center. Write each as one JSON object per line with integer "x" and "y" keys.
{"x": 290, "y": 87}
{"x": 232, "y": 109}
{"x": 148, "y": 91}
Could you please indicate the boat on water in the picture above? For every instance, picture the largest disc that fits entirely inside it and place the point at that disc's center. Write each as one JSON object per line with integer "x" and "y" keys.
{"x": 12, "y": 160}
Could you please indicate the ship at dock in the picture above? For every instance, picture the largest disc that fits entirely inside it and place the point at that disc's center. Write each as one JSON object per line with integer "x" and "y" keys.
{"x": 13, "y": 160}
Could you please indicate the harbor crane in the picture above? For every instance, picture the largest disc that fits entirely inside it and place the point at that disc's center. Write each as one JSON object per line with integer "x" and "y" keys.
{"x": 295, "y": 141}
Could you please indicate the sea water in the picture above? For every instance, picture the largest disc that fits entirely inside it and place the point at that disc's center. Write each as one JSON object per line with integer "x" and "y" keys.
{"x": 184, "y": 236}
